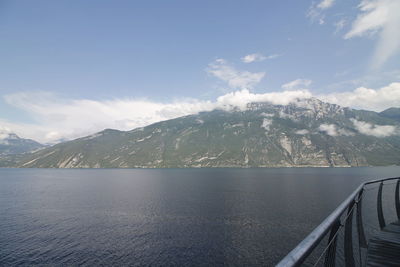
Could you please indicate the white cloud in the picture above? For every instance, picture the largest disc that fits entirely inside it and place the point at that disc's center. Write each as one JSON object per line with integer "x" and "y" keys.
{"x": 374, "y": 130}
{"x": 325, "y": 4}
{"x": 4, "y": 132}
{"x": 302, "y": 132}
{"x": 329, "y": 129}
{"x": 316, "y": 10}
{"x": 258, "y": 57}
{"x": 379, "y": 17}
{"x": 373, "y": 17}
{"x": 235, "y": 78}
{"x": 333, "y": 130}
{"x": 296, "y": 84}
{"x": 253, "y": 58}
{"x": 376, "y": 77}
{"x": 366, "y": 98}
{"x": 241, "y": 98}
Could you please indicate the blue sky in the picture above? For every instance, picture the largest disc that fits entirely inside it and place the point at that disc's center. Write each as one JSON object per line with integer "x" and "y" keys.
{"x": 58, "y": 56}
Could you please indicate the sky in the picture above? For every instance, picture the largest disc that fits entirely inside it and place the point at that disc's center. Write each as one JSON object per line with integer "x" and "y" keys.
{"x": 71, "y": 68}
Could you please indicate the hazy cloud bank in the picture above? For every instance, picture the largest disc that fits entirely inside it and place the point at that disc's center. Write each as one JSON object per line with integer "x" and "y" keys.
{"x": 56, "y": 118}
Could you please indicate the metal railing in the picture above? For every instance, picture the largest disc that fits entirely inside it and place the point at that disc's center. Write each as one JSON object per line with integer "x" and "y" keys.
{"x": 334, "y": 222}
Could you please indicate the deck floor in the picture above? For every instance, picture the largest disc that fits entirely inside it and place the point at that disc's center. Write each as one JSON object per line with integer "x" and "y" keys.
{"x": 384, "y": 248}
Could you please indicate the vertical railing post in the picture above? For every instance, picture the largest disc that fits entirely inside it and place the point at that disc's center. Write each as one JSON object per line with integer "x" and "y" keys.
{"x": 331, "y": 253}
{"x": 379, "y": 207}
{"x": 362, "y": 241}
{"x": 348, "y": 237}
{"x": 397, "y": 199}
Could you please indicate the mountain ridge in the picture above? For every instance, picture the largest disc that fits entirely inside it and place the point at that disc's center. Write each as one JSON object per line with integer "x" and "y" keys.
{"x": 306, "y": 132}
{"x": 392, "y": 113}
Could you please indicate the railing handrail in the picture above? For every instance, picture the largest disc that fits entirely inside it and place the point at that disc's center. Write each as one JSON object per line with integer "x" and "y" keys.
{"x": 307, "y": 245}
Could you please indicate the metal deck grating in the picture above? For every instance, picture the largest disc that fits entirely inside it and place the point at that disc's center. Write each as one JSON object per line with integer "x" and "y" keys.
{"x": 384, "y": 248}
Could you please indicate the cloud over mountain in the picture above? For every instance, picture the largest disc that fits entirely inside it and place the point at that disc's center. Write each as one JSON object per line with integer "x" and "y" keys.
{"x": 375, "y": 130}
{"x": 56, "y": 118}
{"x": 366, "y": 98}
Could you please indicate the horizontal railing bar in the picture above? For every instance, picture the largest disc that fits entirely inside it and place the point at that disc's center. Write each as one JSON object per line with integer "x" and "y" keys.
{"x": 380, "y": 180}
{"x": 307, "y": 245}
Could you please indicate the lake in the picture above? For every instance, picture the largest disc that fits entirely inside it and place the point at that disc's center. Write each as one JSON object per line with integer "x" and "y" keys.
{"x": 156, "y": 217}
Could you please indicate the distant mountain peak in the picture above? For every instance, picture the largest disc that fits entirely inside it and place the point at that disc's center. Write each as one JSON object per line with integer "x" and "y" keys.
{"x": 10, "y": 144}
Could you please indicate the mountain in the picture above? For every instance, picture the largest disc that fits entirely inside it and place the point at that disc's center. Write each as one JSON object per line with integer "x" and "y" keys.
{"x": 392, "y": 113}
{"x": 11, "y": 144}
{"x": 307, "y": 132}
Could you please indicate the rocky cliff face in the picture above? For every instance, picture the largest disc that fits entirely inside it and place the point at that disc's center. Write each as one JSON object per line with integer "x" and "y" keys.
{"x": 307, "y": 132}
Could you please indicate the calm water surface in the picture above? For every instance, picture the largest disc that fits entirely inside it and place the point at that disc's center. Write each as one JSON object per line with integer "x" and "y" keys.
{"x": 166, "y": 217}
